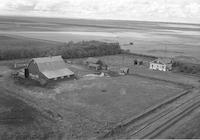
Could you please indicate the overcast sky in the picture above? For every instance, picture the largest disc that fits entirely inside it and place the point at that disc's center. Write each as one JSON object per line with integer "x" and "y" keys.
{"x": 160, "y": 10}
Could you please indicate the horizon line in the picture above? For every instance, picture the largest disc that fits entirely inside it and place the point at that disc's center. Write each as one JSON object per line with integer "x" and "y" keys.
{"x": 98, "y": 19}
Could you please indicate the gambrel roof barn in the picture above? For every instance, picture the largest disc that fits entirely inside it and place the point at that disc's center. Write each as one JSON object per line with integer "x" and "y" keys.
{"x": 48, "y": 68}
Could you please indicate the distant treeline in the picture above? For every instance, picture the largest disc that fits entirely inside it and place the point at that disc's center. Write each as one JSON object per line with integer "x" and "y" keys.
{"x": 67, "y": 50}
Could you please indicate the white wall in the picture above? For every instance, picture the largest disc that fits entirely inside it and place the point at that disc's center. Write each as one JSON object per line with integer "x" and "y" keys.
{"x": 155, "y": 66}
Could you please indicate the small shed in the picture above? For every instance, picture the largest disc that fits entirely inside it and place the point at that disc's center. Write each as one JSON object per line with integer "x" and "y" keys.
{"x": 92, "y": 60}
{"x": 95, "y": 63}
{"x": 48, "y": 68}
{"x": 124, "y": 71}
{"x": 94, "y": 66}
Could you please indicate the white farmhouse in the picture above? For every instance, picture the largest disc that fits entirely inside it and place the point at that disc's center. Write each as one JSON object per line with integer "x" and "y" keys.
{"x": 162, "y": 64}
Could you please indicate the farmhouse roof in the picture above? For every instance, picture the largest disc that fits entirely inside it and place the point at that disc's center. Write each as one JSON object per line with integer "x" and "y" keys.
{"x": 163, "y": 61}
{"x": 52, "y": 67}
{"x": 93, "y": 60}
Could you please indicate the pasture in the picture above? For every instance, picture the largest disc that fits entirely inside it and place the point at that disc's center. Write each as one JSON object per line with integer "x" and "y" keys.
{"x": 91, "y": 105}
{"x": 19, "y": 120}
{"x": 20, "y": 42}
{"x": 150, "y": 38}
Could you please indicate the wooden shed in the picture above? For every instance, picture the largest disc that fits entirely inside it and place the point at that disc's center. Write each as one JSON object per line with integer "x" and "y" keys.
{"x": 124, "y": 71}
{"x": 96, "y": 64}
{"x": 92, "y": 60}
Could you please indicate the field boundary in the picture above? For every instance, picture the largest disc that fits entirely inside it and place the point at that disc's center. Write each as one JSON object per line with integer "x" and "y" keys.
{"x": 118, "y": 128}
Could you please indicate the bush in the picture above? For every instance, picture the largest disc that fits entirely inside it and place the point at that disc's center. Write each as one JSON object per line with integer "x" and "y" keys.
{"x": 186, "y": 67}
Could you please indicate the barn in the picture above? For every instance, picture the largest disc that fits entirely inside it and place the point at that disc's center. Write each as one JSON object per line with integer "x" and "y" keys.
{"x": 47, "y": 68}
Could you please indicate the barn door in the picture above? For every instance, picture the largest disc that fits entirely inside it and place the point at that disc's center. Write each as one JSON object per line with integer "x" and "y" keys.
{"x": 26, "y": 73}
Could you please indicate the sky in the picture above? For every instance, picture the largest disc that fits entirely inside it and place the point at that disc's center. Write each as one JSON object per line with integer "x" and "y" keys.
{"x": 150, "y": 10}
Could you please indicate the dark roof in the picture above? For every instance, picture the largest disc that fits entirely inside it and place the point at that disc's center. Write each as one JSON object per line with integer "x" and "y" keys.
{"x": 93, "y": 60}
{"x": 52, "y": 67}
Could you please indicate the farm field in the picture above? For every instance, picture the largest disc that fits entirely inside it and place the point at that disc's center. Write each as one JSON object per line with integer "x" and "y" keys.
{"x": 90, "y": 106}
{"x": 158, "y": 39}
{"x": 20, "y": 42}
{"x": 188, "y": 130}
{"x": 19, "y": 120}
{"x": 100, "y": 103}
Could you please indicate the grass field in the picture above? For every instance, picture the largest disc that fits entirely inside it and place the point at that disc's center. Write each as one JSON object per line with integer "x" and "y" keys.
{"x": 19, "y": 120}
{"x": 90, "y": 106}
{"x": 19, "y": 42}
{"x": 152, "y": 38}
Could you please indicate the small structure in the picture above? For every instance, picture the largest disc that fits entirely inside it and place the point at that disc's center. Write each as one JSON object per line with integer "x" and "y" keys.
{"x": 96, "y": 64}
{"x": 92, "y": 60}
{"x": 135, "y": 62}
{"x": 124, "y": 71}
{"x": 131, "y": 43}
{"x": 138, "y": 62}
{"x": 19, "y": 65}
{"x": 47, "y": 68}
{"x": 162, "y": 64}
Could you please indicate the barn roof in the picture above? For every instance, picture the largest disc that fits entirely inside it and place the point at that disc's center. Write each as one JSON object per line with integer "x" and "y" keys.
{"x": 92, "y": 60}
{"x": 52, "y": 67}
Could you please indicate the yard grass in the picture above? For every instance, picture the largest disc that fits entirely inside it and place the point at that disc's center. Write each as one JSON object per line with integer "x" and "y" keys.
{"x": 19, "y": 120}
{"x": 90, "y": 106}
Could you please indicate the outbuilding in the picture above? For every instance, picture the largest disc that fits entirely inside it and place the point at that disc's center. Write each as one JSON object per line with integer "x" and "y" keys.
{"x": 162, "y": 64}
{"x": 92, "y": 60}
{"x": 48, "y": 68}
{"x": 124, "y": 71}
{"x": 96, "y": 64}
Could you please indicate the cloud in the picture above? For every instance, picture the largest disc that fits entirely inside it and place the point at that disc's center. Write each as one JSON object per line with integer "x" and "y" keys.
{"x": 162, "y": 10}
